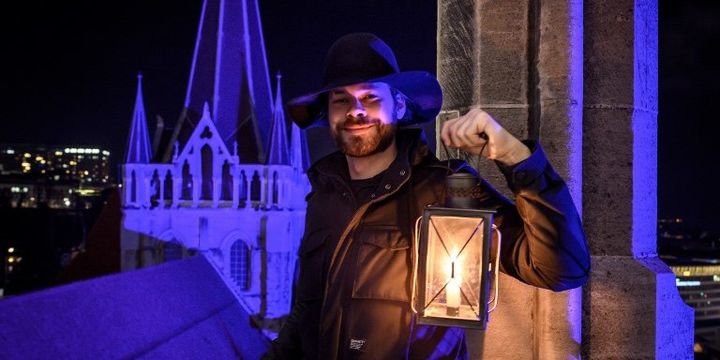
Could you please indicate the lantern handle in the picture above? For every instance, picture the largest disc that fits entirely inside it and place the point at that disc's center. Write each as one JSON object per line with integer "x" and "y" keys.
{"x": 494, "y": 300}
{"x": 415, "y": 261}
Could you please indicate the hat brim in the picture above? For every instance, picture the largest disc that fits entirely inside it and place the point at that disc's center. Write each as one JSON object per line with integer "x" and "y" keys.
{"x": 420, "y": 87}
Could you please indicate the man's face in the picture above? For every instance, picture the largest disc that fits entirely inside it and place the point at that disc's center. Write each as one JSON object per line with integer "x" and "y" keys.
{"x": 363, "y": 118}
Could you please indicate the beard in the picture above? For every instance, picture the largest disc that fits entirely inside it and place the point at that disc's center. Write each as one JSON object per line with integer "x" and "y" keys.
{"x": 377, "y": 140}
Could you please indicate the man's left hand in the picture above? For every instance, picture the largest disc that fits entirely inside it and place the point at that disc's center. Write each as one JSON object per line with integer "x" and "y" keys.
{"x": 498, "y": 144}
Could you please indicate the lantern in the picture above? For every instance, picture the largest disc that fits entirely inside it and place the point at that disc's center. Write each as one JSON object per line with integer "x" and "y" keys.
{"x": 452, "y": 261}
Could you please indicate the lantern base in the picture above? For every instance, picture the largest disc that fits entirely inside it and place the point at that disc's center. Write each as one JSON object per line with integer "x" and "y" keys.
{"x": 438, "y": 315}
{"x": 464, "y": 312}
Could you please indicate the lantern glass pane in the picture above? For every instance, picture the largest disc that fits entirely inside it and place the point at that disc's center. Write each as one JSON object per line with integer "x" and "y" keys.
{"x": 454, "y": 267}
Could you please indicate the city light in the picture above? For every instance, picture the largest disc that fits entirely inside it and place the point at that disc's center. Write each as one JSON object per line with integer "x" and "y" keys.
{"x": 27, "y": 155}
{"x": 58, "y": 153}
{"x": 680, "y": 283}
{"x": 11, "y": 250}
{"x": 10, "y": 151}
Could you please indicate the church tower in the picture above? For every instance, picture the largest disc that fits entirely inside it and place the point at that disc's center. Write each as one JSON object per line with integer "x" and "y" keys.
{"x": 229, "y": 71}
{"x": 232, "y": 186}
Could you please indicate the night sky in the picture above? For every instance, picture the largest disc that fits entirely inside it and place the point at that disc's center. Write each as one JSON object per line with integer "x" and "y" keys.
{"x": 70, "y": 72}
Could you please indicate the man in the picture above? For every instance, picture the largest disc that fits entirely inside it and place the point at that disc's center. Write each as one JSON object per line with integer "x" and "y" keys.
{"x": 353, "y": 293}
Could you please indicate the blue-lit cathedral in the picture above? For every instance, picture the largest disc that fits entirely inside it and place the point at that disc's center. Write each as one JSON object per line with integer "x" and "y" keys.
{"x": 228, "y": 182}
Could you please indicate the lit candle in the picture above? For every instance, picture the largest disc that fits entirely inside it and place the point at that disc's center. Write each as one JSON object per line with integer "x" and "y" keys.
{"x": 452, "y": 293}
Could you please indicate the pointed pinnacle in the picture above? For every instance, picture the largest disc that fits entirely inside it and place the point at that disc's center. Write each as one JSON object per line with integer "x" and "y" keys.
{"x": 206, "y": 109}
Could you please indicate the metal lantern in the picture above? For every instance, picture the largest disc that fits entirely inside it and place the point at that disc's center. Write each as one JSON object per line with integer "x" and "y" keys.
{"x": 452, "y": 265}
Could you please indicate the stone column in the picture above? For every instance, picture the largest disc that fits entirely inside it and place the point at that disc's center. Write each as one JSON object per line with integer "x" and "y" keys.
{"x": 177, "y": 185}
{"x": 216, "y": 191}
{"x": 145, "y": 191}
{"x": 631, "y": 306}
{"x": 161, "y": 188}
{"x": 522, "y": 61}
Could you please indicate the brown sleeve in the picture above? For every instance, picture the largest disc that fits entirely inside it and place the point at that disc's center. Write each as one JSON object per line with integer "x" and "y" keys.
{"x": 543, "y": 243}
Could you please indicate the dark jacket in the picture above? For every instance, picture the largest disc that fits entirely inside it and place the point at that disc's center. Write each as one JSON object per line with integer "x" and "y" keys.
{"x": 353, "y": 296}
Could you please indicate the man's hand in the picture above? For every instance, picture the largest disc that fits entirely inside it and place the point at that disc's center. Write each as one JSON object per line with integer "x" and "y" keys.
{"x": 465, "y": 132}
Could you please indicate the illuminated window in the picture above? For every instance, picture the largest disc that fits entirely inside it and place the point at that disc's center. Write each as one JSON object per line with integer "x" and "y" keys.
{"x": 240, "y": 264}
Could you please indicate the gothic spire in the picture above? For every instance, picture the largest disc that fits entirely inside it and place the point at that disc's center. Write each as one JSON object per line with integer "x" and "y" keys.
{"x": 299, "y": 155}
{"x": 229, "y": 70}
{"x": 278, "y": 153}
{"x": 138, "y": 148}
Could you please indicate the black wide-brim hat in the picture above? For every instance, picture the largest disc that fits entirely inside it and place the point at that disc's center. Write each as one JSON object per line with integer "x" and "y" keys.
{"x": 362, "y": 58}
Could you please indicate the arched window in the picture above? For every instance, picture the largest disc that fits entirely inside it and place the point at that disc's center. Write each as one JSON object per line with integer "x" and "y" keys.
{"x": 255, "y": 188}
{"x": 187, "y": 183}
{"x": 206, "y": 157}
{"x": 243, "y": 187}
{"x": 227, "y": 182}
{"x": 168, "y": 186}
{"x": 240, "y": 264}
{"x": 275, "y": 189}
{"x": 155, "y": 185}
{"x": 133, "y": 187}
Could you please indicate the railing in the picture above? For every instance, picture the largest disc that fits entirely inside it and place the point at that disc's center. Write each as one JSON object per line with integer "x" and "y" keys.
{"x": 164, "y": 186}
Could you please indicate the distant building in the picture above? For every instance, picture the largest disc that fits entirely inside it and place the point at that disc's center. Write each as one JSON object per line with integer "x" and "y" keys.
{"x": 232, "y": 185}
{"x": 693, "y": 254}
{"x": 59, "y": 176}
{"x": 699, "y": 286}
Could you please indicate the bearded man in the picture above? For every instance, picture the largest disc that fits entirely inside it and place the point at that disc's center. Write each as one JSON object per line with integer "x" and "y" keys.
{"x": 353, "y": 292}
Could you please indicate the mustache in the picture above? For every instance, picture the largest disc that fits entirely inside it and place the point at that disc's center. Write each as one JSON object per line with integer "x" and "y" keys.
{"x": 358, "y": 121}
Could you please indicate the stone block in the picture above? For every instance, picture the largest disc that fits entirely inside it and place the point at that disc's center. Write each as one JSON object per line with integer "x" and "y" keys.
{"x": 609, "y": 54}
{"x": 501, "y": 66}
{"x": 455, "y": 58}
{"x": 620, "y": 326}
{"x": 607, "y": 180}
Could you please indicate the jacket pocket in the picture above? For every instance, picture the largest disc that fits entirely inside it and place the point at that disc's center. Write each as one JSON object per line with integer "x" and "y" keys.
{"x": 312, "y": 257}
{"x": 383, "y": 264}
